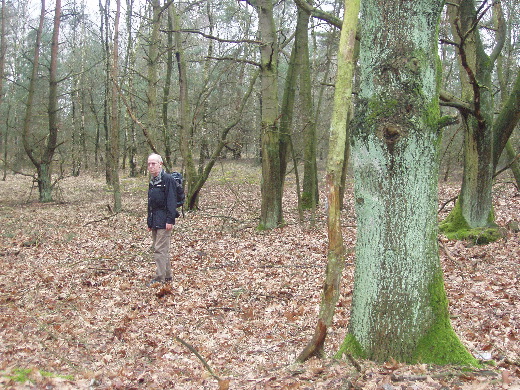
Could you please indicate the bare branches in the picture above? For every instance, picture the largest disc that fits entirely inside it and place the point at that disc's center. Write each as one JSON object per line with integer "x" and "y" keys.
{"x": 135, "y": 119}
{"x": 508, "y": 165}
{"x": 208, "y": 36}
{"x": 234, "y": 59}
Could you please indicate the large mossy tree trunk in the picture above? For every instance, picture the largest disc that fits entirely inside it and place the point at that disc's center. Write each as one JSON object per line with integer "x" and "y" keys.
{"x": 399, "y": 308}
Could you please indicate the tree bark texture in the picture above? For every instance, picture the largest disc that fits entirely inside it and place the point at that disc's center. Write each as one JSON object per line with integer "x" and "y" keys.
{"x": 184, "y": 112}
{"x": 399, "y": 307}
{"x": 114, "y": 114}
{"x": 3, "y": 49}
{"x": 272, "y": 182}
{"x": 310, "y": 194}
{"x": 26, "y": 134}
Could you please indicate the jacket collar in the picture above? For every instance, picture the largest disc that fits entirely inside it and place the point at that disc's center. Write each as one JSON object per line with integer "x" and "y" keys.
{"x": 157, "y": 179}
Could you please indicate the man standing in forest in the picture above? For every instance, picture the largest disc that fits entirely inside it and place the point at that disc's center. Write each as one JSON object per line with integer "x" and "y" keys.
{"x": 162, "y": 211}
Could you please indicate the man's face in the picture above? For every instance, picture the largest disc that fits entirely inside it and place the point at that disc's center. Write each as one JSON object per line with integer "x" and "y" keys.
{"x": 154, "y": 166}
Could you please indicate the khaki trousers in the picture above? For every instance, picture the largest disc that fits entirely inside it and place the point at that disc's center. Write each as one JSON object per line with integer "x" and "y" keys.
{"x": 161, "y": 253}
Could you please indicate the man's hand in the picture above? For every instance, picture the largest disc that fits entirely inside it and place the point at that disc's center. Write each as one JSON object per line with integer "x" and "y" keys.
{"x": 169, "y": 226}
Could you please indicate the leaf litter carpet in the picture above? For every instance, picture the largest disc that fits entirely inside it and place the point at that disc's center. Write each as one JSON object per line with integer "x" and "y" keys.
{"x": 75, "y": 311}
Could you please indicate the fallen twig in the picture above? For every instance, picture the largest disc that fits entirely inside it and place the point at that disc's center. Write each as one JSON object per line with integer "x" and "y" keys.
{"x": 102, "y": 219}
{"x": 354, "y": 362}
{"x": 450, "y": 256}
{"x": 196, "y": 353}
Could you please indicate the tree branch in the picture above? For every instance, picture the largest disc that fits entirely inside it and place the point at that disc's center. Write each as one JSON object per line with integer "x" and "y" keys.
{"x": 450, "y": 100}
{"x": 233, "y": 59}
{"x": 192, "y": 31}
{"x": 319, "y": 14}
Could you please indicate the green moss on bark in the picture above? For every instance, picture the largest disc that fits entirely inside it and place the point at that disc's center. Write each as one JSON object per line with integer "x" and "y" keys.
{"x": 455, "y": 227}
{"x": 440, "y": 345}
{"x": 350, "y": 346}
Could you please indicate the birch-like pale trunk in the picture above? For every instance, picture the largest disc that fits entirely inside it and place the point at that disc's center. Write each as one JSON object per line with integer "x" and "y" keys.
{"x": 399, "y": 308}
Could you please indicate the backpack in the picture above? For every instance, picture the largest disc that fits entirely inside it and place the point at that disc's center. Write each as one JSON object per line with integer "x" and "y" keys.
{"x": 181, "y": 197}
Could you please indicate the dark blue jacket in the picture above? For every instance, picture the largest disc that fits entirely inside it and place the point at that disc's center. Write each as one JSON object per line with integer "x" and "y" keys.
{"x": 162, "y": 202}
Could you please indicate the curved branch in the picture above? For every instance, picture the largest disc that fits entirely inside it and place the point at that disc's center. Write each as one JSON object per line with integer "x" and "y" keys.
{"x": 450, "y": 100}
{"x": 233, "y": 59}
{"x": 319, "y": 14}
{"x": 212, "y": 37}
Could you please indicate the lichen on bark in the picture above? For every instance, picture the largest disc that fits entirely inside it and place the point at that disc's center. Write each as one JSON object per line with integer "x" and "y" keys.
{"x": 398, "y": 302}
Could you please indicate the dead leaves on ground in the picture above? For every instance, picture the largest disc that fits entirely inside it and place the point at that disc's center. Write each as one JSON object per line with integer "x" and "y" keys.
{"x": 74, "y": 303}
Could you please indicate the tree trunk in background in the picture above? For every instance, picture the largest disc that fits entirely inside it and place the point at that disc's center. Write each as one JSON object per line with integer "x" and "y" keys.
{"x": 152, "y": 123}
{"x": 204, "y": 131}
{"x": 287, "y": 106}
{"x": 310, "y": 195}
{"x": 43, "y": 163}
{"x": 79, "y": 153}
{"x": 166, "y": 92}
{"x": 506, "y": 120}
{"x": 504, "y": 72}
{"x": 271, "y": 215}
{"x": 475, "y": 198}
{"x": 104, "y": 11}
{"x": 485, "y": 137}
{"x": 45, "y": 166}
{"x": 335, "y": 163}
{"x": 130, "y": 62}
{"x": 288, "y": 101}
{"x": 515, "y": 166}
{"x": 114, "y": 119}
{"x": 399, "y": 307}
{"x": 3, "y": 48}
{"x": 184, "y": 118}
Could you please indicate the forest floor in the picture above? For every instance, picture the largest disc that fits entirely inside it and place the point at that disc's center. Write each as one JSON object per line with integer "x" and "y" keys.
{"x": 75, "y": 311}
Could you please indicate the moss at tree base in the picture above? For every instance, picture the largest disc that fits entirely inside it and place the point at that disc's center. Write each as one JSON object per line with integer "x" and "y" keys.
{"x": 437, "y": 345}
{"x": 441, "y": 346}
{"x": 455, "y": 227}
{"x": 350, "y": 346}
